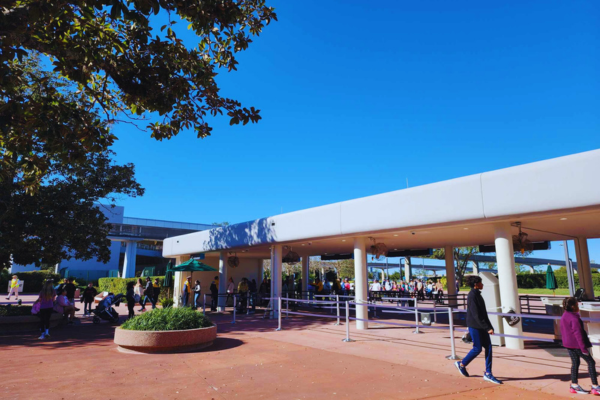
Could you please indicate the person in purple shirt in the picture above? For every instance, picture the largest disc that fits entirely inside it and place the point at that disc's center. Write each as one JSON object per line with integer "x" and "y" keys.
{"x": 46, "y": 300}
{"x": 577, "y": 343}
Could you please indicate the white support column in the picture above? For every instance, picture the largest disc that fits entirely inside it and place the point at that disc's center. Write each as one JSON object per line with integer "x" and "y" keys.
{"x": 407, "y": 269}
{"x": 276, "y": 277}
{"x": 531, "y": 269}
{"x": 361, "y": 281}
{"x": 222, "y": 281}
{"x": 305, "y": 272}
{"x": 583, "y": 267}
{"x": 507, "y": 280}
{"x": 129, "y": 262}
{"x": 450, "y": 273}
{"x": 475, "y": 267}
{"x": 178, "y": 281}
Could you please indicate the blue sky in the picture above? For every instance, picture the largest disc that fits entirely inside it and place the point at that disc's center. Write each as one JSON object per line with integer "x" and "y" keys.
{"x": 357, "y": 96}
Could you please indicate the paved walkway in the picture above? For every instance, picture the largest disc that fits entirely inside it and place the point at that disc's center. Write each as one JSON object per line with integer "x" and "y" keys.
{"x": 249, "y": 360}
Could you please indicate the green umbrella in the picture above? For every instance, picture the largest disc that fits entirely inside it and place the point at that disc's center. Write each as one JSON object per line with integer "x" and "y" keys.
{"x": 193, "y": 265}
{"x": 551, "y": 279}
{"x": 168, "y": 276}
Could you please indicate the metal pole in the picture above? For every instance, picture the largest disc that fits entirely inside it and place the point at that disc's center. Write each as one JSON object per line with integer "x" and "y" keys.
{"x": 569, "y": 265}
{"x": 416, "y": 317}
{"x": 434, "y": 312}
{"x": 204, "y": 305}
{"x": 347, "y": 323}
{"x": 337, "y": 307}
{"x": 451, "y": 326}
{"x": 279, "y": 314}
{"x": 287, "y": 308}
{"x": 234, "y": 307}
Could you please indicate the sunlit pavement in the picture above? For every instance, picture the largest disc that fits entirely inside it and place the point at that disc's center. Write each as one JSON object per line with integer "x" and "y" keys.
{"x": 250, "y": 360}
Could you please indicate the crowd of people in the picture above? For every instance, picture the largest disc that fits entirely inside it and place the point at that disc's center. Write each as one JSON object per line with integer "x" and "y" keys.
{"x": 419, "y": 288}
{"x": 575, "y": 339}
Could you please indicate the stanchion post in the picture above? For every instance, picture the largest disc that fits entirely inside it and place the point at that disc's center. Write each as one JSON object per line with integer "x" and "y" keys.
{"x": 234, "y": 307}
{"x": 451, "y": 327}
{"x": 287, "y": 308}
{"x": 337, "y": 308}
{"x": 416, "y": 317}
{"x": 279, "y": 314}
{"x": 204, "y": 305}
{"x": 347, "y": 323}
{"x": 434, "y": 313}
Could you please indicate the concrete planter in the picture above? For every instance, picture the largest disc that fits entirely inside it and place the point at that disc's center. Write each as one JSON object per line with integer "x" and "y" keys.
{"x": 27, "y": 323}
{"x": 165, "y": 341}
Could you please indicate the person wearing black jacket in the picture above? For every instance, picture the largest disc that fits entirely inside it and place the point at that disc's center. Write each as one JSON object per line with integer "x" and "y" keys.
{"x": 480, "y": 329}
{"x": 214, "y": 294}
{"x": 148, "y": 294}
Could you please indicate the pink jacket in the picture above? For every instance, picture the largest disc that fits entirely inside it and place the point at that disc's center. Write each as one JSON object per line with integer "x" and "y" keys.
{"x": 61, "y": 303}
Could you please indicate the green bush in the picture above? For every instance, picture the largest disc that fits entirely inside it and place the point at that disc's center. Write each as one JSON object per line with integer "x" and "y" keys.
{"x": 14, "y": 311}
{"x": 167, "y": 302}
{"x": 168, "y": 319}
{"x": 34, "y": 280}
{"x": 119, "y": 285}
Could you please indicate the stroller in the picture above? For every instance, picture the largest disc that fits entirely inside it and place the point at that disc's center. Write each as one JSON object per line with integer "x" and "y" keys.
{"x": 105, "y": 309}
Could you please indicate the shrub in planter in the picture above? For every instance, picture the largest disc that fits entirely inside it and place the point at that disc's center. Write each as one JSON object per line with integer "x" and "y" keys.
{"x": 14, "y": 311}
{"x": 167, "y": 302}
{"x": 168, "y": 319}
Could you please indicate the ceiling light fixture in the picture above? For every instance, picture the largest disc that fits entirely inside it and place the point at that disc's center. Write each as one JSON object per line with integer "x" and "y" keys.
{"x": 466, "y": 229}
{"x": 563, "y": 219}
{"x": 396, "y": 235}
{"x": 343, "y": 240}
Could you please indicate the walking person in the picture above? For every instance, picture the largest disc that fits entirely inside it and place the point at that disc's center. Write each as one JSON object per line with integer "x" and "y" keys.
{"x": 46, "y": 300}
{"x": 148, "y": 294}
{"x": 14, "y": 288}
{"x": 577, "y": 343}
{"x": 70, "y": 289}
{"x": 88, "y": 298}
{"x": 480, "y": 329}
{"x": 214, "y": 294}
{"x": 138, "y": 291}
{"x": 130, "y": 296}
{"x": 155, "y": 292}
{"x": 197, "y": 294}
{"x": 185, "y": 293}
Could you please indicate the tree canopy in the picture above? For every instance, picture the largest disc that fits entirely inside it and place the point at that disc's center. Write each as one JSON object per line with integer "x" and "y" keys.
{"x": 122, "y": 67}
{"x": 62, "y": 218}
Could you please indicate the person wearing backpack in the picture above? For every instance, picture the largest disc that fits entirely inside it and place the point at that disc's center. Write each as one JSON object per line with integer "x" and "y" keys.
{"x": 480, "y": 329}
{"x": 577, "y": 343}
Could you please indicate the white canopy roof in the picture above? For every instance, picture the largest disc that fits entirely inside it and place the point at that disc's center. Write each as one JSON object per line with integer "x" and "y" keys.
{"x": 560, "y": 196}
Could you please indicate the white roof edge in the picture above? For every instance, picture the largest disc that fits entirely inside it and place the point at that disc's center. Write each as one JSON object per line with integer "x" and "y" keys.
{"x": 560, "y": 183}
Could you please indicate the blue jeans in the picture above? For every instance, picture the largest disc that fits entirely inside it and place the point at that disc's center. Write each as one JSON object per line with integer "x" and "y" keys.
{"x": 196, "y": 297}
{"x": 152, "y": 300}
{"x": 185, "y": 297}
{"x": 481, "y": 339}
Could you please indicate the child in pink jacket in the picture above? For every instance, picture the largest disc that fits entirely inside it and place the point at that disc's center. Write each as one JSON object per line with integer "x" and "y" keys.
{"x": 577, "y": 343}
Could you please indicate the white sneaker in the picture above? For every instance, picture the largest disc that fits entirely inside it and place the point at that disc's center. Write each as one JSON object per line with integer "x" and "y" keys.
{"x": 42, "y": 336}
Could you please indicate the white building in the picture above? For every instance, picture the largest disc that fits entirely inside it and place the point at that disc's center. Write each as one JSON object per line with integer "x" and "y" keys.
{"x": 557, "y": 199}
{"x": 136, "y": 243}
